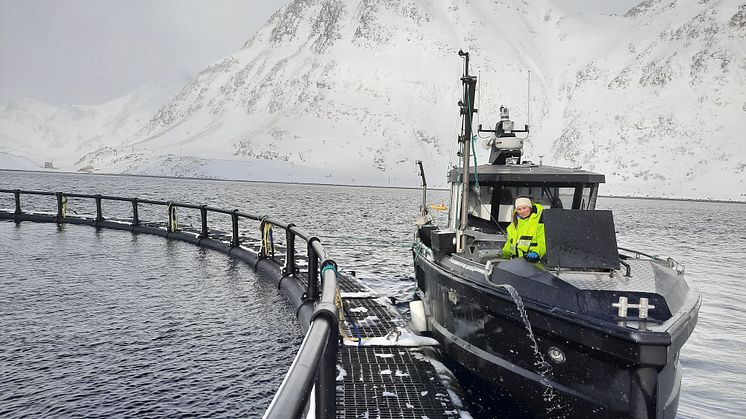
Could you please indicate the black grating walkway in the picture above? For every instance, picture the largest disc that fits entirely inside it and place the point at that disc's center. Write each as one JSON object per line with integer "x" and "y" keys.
{"x": 368, "y": 317}
{"x": 350, "y": 284}
{"x": 347, "y": 283}
{"x": 390, "y": 382}
{"x": 383, "y": 370}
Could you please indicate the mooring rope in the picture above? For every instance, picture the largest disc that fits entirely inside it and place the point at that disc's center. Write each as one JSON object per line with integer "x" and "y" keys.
{"x": 267, "y": 240}
{"x": 343, "y": 313}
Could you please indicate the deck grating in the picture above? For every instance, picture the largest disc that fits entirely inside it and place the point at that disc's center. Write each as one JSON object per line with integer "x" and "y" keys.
{"x": 346, "y": 283}
{"x": 389, "y": 382}
{"x": 370, "y": 318}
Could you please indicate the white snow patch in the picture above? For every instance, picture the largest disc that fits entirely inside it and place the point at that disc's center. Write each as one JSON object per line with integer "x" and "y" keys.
{"x": 359, "y": 310}
{"x": 400, "y": 337}
{"x": 361, "y": 294}
{"x": 341, "y": 373}
{"x": 384, "y": 355}
{"x": 368, "y": 321}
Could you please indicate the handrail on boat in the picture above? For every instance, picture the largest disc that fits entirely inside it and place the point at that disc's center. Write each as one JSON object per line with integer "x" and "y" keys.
{"x": 637, "y": 253}
{"x": 314, "y": 366}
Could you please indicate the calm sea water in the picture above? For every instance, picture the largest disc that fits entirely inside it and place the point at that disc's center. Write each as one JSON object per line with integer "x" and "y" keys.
{"x": 368, "y": 230}
{"x": 107, "y": 323}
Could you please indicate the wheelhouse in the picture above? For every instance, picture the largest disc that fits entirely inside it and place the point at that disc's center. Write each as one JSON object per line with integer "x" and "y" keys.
{"x": 493, "y": 190}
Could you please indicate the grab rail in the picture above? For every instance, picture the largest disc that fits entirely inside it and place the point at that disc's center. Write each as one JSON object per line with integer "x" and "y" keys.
{"x": 314, "y": 365}
{"x": 637, "y": 254}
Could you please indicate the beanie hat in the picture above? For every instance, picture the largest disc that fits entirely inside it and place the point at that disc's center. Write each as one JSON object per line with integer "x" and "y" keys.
{"x": 523, "y": 202}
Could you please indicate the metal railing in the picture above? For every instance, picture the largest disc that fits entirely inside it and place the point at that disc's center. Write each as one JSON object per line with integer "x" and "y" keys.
{"x": 314, "y": 365}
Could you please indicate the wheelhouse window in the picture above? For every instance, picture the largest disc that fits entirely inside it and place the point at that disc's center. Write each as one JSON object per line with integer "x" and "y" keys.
{"x": 492, "y": 204}
{"x": 549, "y": 196}
{"x": 480, "y": 208}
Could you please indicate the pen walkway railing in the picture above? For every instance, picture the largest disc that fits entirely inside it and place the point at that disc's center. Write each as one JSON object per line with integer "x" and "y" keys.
{"x": 315, "y": 363}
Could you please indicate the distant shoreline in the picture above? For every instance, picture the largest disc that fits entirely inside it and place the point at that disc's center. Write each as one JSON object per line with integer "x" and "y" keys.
{"x": 277, "y": 182}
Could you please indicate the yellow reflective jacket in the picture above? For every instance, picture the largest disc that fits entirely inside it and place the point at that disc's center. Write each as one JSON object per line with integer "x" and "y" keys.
{"x": 526, "y": 236}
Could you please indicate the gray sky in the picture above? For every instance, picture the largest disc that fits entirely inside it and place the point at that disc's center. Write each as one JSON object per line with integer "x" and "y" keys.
{"x": 86, "y": 52}
{"x": 90, "y": 51}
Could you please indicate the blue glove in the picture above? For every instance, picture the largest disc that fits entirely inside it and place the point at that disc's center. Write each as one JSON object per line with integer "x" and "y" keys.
{"x": 532, "y": 257}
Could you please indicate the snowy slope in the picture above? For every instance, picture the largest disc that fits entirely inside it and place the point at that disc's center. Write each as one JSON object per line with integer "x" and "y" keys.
{"x": 663, "y": 110}
{"x": 36, "y": 132}
{"x": 356, "y": 91}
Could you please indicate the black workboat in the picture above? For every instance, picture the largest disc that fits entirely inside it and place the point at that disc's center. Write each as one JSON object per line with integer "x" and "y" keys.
{"x": 591, "y": 329}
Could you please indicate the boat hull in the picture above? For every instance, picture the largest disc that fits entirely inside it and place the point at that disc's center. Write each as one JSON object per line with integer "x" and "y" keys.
{"x": 607, "y": 371}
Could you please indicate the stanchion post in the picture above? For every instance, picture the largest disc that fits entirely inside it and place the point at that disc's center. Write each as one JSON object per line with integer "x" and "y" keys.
{"x": 135, "y": 213}
{"x": 326, "y": 399}
{"x": 60, "y": 214}
{"x": 326, "y": 380}
{"x": 99, "y": 214}
{"x": 203, "y": 217}
{"x": 312, "y": 291}
{"x": 289, "y": 268}
{"x": 171, "y": 226}
{"x": 17, "y": 195}
{"x": 262, "y": 241}
{"x": 234, "y": 219}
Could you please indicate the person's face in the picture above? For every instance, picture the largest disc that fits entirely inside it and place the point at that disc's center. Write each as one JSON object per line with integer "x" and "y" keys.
{"x": 523, "y": 211}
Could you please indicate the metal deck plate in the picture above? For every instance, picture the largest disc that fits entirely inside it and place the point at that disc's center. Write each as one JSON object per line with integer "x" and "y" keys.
{"x": 642, "y": 278}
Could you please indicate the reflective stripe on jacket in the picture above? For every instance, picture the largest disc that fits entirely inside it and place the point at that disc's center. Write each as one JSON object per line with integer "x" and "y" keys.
{"x": 527, "y": 236}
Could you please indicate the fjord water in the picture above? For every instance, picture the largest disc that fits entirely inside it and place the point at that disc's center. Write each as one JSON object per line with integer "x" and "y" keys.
{"x": 89, "y": 308}
{"x": 106, "y": 323}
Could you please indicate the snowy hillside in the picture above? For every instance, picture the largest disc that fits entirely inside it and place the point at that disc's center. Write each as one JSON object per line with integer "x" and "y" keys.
{"x": 664, "y": 108}
{"x": 33, "y": 132}
{"x": 356, "y": 91}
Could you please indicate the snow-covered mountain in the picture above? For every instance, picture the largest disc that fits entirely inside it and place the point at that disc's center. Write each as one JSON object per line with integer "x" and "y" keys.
{"x": 33, "y": 132}
{"x": 662, "y": 111}
{"x": 356, "y": 91}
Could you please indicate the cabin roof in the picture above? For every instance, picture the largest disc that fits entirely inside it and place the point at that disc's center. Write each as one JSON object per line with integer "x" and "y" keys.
{"x": 527, "y": 173}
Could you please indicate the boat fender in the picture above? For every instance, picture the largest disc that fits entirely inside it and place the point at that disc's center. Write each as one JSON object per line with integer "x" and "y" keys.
{"x": 417, "y": 312}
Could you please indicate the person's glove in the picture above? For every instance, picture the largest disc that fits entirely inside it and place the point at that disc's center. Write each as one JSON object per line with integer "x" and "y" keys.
{"x": 532, "y": 257}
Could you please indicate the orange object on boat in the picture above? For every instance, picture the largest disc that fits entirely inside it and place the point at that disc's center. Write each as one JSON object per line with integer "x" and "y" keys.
{"x": 439, "y": 207}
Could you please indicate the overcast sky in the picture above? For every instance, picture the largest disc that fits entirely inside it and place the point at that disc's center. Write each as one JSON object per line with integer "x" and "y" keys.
{"x": 91, "y": 51}
{"x": 86, "y": 52}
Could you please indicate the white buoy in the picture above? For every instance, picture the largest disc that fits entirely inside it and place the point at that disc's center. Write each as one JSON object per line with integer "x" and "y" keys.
{"x": 417, "y": 311}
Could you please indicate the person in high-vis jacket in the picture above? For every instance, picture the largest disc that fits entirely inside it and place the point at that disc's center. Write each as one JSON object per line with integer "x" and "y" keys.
{"x": 526, "y": 232}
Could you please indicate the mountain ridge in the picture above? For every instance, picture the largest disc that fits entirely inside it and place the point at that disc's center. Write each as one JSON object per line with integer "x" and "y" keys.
{"x": 357, "y": 91}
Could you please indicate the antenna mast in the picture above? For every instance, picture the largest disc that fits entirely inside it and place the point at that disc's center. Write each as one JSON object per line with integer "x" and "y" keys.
{"x": 528, "y": 102}
{"x": 467, "y": 112}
